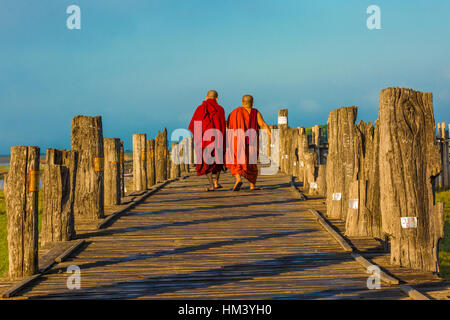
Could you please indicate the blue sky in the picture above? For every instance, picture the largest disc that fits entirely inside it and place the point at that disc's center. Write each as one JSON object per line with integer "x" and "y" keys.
{"x": 145, "y": 64}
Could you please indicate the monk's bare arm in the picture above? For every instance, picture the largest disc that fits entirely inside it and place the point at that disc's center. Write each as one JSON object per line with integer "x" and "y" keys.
{"x": 263, "y": 125}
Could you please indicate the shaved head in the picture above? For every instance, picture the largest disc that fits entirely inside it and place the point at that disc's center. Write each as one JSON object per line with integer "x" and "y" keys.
{"x": 212, "y": 94}
{"x": 247, "y": 100}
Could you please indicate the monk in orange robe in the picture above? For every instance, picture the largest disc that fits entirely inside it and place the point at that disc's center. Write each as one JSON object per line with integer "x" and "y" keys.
{"x": 209, "y": 116}
{"x": 244, "y": 124}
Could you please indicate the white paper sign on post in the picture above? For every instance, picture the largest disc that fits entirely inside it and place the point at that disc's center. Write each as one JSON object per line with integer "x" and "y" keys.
{"x": 313, "y": 185}
{"x": 408, "y": 222}
{"x": 353, "y": 203}
{"x": 282, "y": 120}
{"x": 337, "y": 196}
{"x": 302, "y": 164}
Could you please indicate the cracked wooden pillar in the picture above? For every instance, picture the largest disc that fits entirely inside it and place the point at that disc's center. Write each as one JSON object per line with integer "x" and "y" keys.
{"x": 263, "y": 156}
{"x": 59, "y": 180}
{"x": 112, "y": 177}
{"x": 321, "y": 180}
{"x": 166, "y": 155}
{"x": 159, "y": 157}
{"x": 316, "y": 140}
{"x": 364, "y": 214}
{"x": 444, "y": 155}
{"x": 175, "y": 166}
{"x": 309, "y": 171}
{"x": 87, "y": 140}
{"x": 409, "y": 162}
{"x": 292, "y": 149}
{"x": 342, "y": 133}
{"x": 183, "y": 155}
{"x": 122, "y": 171}
{"x": 302, "y": 149}
{"x": 151, "y": 178}
{"x": 191, "y": 155}
{"x": 139, "y": 161}
{"x": 275, "y": 147}
{"x": 282, "y": 127}
{"x": 21, "y": 198}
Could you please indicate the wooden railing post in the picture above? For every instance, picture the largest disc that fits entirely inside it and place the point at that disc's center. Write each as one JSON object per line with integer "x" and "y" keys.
{"x": 112, "y": 175}
{"x": 151, "y": 179}
{"x": 283, "y": 127}
{"x": 409, "y": 161}
{"x": 302, "y": 147}
{"x": 444, "y": 156}
{"x": 140, "y": 161}
{"x": 58, "y": 196}
{"x": 175, "y": 171}
{"x": 122, "y": 170}
{"x": 342, "y": 133}
{"x": 87, "y": 140}
{"x": 291, "y": 151}
{"x": 159, "y": 160}
{"x": 21, "y": 197}
{"x": 363, "y": 213}
{"x": 166, "y": 155}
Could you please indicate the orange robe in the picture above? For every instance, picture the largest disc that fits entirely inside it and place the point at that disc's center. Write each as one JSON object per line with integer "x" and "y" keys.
{"x": 242, "y": 163}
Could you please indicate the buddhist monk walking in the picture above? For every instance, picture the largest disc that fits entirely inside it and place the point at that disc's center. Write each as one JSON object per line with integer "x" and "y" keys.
{"x": 243, "y": 142}
{"x": 208, "y": 125}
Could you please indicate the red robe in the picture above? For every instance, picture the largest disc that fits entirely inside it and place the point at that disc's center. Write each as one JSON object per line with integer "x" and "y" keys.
{"x": 212, "y": 116}
{"x": 244, "y": 164}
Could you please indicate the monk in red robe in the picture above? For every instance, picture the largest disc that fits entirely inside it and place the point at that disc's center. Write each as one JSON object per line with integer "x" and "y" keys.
{"x": 243, "y": 139}
{"x": 208, "y": 126}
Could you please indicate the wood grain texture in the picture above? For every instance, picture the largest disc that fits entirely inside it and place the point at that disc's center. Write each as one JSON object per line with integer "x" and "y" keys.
{"x": 342, "y": 134}
{"x": 87, "y": 140}
{"x": 151, "y": 177}
{"x": 59, "y": 182}
{"x": 409, "y": 161}
{"x": 139, "y": 162}
{"x": 22, "y": 212}
{"x": 112, "y": 175}
{"x": 365, "y": 220}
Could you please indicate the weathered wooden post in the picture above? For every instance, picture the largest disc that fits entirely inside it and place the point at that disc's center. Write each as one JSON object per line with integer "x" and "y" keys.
{"x": 87, "y": 140}
{"x": 139, "y": 161}
{"x": 444, "y": 154}
{"x": 122, "y": 170}
{"x": 21, "y": 197}
{"x": 342, "y": 133}
{"x": 159, "y": 158}
{"x": 264, "y": 147}
{"x": 321, "y": 180}
{"x": 166, "y": 155}
{"x": 292, "y": 151}
{"x": 282, "y": 132}
{"x": 191, "y": 155}
{"x": 58, "y": 196}
{"x": 274, "y": 147}
{"x": 316, "y": 134}
{"x": 175, "y": 166}
{"x": 409, "y": 161}
{"x": 183, "y": 154}
{"x": 363, "y": 213}
{"x": 309, "y": 171}
{"x": 151, "y": 178}
{"x": 302, "y": 147}
{"x": 112, "y": 171}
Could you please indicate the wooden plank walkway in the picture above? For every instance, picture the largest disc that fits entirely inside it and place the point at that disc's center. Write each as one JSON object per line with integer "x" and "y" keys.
{"x": 184, "y": 243}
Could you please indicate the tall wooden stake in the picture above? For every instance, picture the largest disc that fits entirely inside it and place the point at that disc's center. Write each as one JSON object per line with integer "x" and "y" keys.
{"x": 87, "y": 139}
{"x": 21, "y": 197}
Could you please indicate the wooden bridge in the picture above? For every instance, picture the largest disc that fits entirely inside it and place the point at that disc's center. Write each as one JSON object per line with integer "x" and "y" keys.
{"x": 184, "y": 243}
